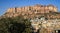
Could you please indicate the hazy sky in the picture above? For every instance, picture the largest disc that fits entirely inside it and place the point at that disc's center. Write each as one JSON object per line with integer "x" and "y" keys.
{"x": 5, "y": 4}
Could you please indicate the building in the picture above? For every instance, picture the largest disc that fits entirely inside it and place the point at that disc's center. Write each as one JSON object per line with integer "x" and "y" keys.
{"x": 30, "y": 11}
{"x": 42, "y": 25}
{"x": 48, "y": 24}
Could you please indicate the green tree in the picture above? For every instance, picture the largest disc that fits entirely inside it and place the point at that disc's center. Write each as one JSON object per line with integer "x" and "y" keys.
{"x": 15, "y": 25}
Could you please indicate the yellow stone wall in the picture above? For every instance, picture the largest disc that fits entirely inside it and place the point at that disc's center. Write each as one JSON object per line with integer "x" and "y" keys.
{"x": 38, "y": 8}
{"x": 31, "y": 10}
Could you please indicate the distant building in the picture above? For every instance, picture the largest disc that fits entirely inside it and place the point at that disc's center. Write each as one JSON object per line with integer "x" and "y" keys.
{"x": 45, "y": 26}
{"x": 32, "y": 11}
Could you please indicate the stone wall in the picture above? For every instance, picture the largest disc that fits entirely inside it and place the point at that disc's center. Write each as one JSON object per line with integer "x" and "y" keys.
{"x": 30, "y": 11}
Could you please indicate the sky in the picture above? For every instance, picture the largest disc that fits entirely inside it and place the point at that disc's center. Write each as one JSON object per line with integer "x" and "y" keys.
{"x": 5, "y": 4}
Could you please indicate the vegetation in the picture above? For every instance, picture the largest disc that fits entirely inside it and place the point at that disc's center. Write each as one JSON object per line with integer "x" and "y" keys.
{"x": 15, "y": 25}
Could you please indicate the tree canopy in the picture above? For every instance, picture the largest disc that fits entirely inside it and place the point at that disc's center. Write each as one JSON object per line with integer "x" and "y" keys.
{"x": 15, "y": 25}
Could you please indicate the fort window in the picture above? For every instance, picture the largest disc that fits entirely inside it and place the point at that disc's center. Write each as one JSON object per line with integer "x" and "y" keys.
{"x": 29, "y": 8}
{"x": 42, "y": 6}
{"x": 34, "y": 10}
{"x": 15, "y": 9}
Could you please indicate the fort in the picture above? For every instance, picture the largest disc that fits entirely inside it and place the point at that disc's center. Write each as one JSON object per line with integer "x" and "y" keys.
{"x": 48, "y": 25}
{"x": 33, "y": 11}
